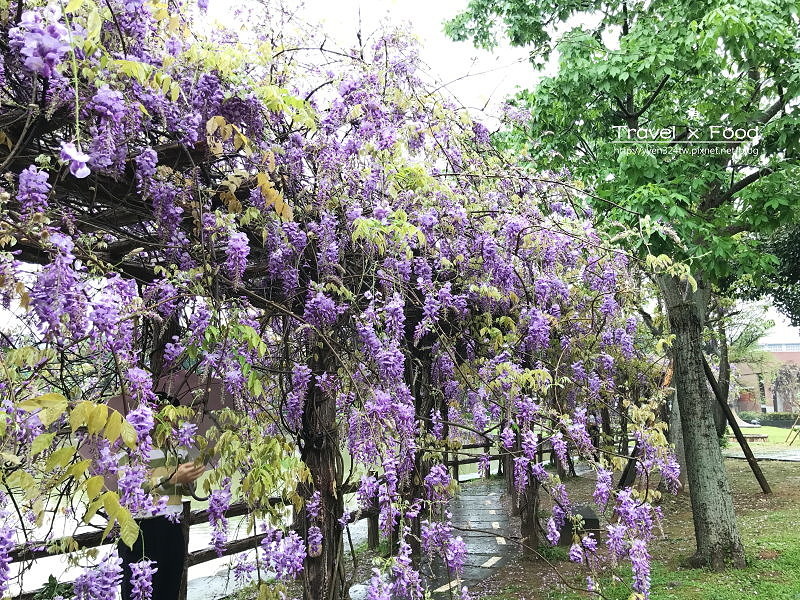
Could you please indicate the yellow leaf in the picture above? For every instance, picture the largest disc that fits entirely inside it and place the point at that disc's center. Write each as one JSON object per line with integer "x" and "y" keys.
{"x": 73, "y": 6}
{"x": 128, "y": 434}
{"x": 91, "y": 510}
{"x": 78, "y": 415}
{"x": 111, "y": 503}
{"x": 97, "y": 417}
{"x": 128, "y": 530}
{"x": 79, "y": 468}
{"x": 22, "y": 480}
{"x": 52, "y": 400}
{"x": 113, "y": 426}
{"x": 60, "y": 458}
{"x": 94, "y": 485}
{"x": 49, "y": 406}
{"x": 42, "y": 442}
{"x": 215, "y": 123}
{"x": 107, "y": 530}
{"x": 94, "y": 24}
{"x": 25, "y": 482}
{"x": 11, "y": 460}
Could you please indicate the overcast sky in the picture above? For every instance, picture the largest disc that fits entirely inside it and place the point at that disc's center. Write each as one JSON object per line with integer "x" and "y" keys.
{"x": 491, "y": 76}
{"x": 478, "y": 79}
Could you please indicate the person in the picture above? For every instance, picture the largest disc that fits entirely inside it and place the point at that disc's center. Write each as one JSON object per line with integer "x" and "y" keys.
{"x": 161, "y": 537}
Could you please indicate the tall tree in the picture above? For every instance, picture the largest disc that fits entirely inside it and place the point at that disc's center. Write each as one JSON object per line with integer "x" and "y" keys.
{"x": 670, "y": 73}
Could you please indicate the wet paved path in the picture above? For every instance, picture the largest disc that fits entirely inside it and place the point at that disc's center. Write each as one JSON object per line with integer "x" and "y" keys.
{"x": 790, "y": 455}
{"x": 481, "y": 518}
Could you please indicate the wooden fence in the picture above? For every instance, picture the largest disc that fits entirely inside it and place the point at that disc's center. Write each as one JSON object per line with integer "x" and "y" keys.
{"x": 93, "y": 539}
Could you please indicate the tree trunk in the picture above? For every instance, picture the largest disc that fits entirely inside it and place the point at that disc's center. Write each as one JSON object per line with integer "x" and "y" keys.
{"x": 676, "y": 437}
{"x": 716, "y": 533}
{"x": 324, "y": 574}
{"x": 508, "y": 468}
{"x": 723, "y": 379}
{"x": 529, "y": 526}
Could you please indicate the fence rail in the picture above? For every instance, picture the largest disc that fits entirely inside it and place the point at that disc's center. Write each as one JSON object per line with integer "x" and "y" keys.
{"x": 93, "y": 539}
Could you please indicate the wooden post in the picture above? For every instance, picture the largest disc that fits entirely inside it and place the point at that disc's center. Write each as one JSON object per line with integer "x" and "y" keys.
{"x": 373, "y": 533}
{"x": 185, "y": 525}
{"x": 455, "y": 465}
{"x": 529, "y": 522}
{"x": 629, "y": 472}
{"x": 486, "y": 448}
{"x": 748, "y": 453}
{"x": 539, "y": 449}
{"x": 792, "y": 430}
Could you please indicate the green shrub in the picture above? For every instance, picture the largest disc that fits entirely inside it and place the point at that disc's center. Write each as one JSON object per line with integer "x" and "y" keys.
{"x": 778, "y": 419}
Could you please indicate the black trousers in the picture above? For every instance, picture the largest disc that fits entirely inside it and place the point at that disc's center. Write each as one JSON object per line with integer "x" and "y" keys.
{"x": 162, "y": 541}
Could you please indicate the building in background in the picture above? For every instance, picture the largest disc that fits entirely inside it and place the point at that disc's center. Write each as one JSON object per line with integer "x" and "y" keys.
{"x": 774, "y": 387}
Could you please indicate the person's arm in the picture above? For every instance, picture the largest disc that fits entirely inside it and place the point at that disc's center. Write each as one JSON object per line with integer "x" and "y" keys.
{"x": 182, "y": 477}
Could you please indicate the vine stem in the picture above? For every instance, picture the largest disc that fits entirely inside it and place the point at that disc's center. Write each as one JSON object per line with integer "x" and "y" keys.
{"x": 74, "y": 75}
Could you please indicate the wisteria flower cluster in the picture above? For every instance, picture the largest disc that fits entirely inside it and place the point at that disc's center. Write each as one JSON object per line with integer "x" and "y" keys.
{"x": 42, "y": 40}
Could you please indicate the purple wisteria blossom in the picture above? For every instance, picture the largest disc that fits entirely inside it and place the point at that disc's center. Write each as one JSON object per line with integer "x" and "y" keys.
{"x": 321, "y": 310}
{"x": 218, "y": 503}
{"x": 313, "y": 505}
{"x": 6, "y": 546}
{"x": 236, "y": 254}
{"x": 314, "y": 541}
{"x": 108, "y": 104}
{"x": 142, "y": 580}
{"x": 42, "y": 45}
{"x": 58, "y": 294}
{"x": 640, "y": 563}
{"x": 185, "y": 434}
{"x": 379, "y": 588}
{"x": 77, "y": 160}
{"x": 100, "y": 582}
{"x": 437, "y": 483}
{"x": 602, "y": 489}
{"x": 295, "y": 400}
{"x": 33, "y": 191}
{"x": 576, "y": 553}
{"x": 146, "y": 163}
{"x": 284, "y": 554}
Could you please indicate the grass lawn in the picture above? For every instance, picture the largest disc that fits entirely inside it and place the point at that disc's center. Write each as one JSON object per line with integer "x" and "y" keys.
{"x": 770, "y": 527}
{"x": 777, "y": 438}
